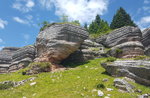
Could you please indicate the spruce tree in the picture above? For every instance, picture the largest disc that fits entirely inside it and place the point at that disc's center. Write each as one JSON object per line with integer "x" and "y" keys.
{"x": 98, "y": 26}
{"x": 85, "y": 26}
{"x": 120, "y": 19}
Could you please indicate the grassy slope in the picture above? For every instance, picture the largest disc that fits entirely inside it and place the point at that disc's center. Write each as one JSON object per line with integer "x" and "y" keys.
{"x": 74, "y": 83}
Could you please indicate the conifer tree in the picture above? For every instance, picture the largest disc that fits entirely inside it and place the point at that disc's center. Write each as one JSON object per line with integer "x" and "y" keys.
{"x": 120, "y": 19}
{"x": 98, "y": 26}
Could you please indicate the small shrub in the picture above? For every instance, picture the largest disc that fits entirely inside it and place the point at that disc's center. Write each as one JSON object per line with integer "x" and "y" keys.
{"x": 6, "y": 85}
{"x": 99, "y": 86}
{"x": 118, "y": 51}
{"x": 40, "y": 64}
{"x": 111, "y": 59}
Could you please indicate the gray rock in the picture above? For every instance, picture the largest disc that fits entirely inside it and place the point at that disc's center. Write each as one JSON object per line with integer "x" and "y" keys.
{"x": 146, "y": 41}
{"x": 22, "y": 57}
{"x": 6, "y": 58}
{"x": 124, "y": 34}
{"x": 123, "y": 85}
{"x": 144, "y": 96}
{"x": 127, "y": 40}
{"x": 9, "y": 84}
{"x": 138, "y": 70}
{"x": 58, "y": 41}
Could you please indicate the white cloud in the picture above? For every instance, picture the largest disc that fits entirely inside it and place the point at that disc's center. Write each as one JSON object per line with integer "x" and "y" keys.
{"x": 19, "y": 20}
{"x": 146, "y": 1}
{"x": 82, "y": 10}
{"x": 24, "y": 5}
{"x": 144, "y": 22}
{"x": 3, "y": 23}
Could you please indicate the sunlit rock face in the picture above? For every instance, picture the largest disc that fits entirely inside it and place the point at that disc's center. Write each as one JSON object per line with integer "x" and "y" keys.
{"x": 126, "y": 41}
{"x": 58, "y": 41}
{"x": 6, "y": 58}
{"x": 22, "y": 58}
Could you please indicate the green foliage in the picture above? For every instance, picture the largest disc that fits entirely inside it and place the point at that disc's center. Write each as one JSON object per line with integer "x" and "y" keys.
{"x": 96, "y": 35}
{"x": 41, "y": 65}
{"x": 75, "y": 22}
{"x": 141, "y": 57}
{"x": 44, "y": 24}
{"x": 118, "y": 51}
{"x": 67, "y": 84}
{"x": 120, "y": 19}
{"x": 6, "y": 85}
{"x": 99, "y": 86}
{"x": 64, "y": 18}
{"x": 111, "y": 59}
{"x": 98, "y": 27}
{"x": 85, "y": 26}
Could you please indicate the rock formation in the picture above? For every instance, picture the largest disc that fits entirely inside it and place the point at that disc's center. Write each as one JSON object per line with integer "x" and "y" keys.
{"x": 58, "y": 41}
{"x": 22, "y": 57}
{"x": 6, "y": 58}
{"x": 126, "y": 39}
{"x": 139, "y": 70}
{"x": 146, "y": 41}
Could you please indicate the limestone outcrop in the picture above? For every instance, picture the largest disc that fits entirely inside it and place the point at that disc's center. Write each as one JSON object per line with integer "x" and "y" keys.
{"x": 22, "y": 57}
{"x": 139, "y": 70}
{"x": 125, "y": 40}
{"x": 58, "y": 41}
{"x": 6, "y": 58}
{"x": 146, "y": 41}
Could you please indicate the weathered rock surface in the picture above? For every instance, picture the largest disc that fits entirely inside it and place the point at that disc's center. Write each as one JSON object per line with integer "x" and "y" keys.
{"x": 146, "y": 41}
{"x": 13, "y": 59}
{"x": 138, "y": 70}
{"x": 58, "y": 41}
{"x": 6, "y": 58}
{"x": 126, "y": 39}
{"x": 124, "y": 34}
{"x": 22, "y": 57}
{"x": 10, "y": 84}
{"x": 123, "y": 85}
{"x": 87, "y": 51}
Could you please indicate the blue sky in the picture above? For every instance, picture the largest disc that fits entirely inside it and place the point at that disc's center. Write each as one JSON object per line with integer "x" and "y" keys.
{"x": 19, "y": 19}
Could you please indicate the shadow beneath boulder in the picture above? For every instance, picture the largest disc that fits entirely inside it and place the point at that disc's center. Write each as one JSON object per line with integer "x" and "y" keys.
{"x": 73, "y": 64}
{"x": 106, "y": 73}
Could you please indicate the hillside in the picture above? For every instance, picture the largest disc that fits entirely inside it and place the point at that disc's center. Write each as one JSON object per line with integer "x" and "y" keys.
{"x": 77, "y": 82}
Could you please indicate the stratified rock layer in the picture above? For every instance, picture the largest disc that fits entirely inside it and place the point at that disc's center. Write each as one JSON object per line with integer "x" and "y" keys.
{"x": 6, "y": 58}
{"x": 22, "y": 57}
{"x": 125, "y": 40}
{"x": 58, "y": 41}
{"x": 146, "y": 41}
{"x": 139, "y": 70}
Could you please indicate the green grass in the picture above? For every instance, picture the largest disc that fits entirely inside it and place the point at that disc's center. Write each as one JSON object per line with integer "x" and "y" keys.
{"x": 74, "y": 83}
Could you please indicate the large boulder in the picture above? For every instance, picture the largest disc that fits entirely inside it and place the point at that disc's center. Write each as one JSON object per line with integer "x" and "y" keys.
{"x": 122, "y": 35}
{"x": 146, "y": 41}
{"x": 58, "y": 41}
{"x": 139, "y": 70}
{"x": 124, "y": 42}
{"x": 22, "y": 57}
{"x": 6, "y": 58}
